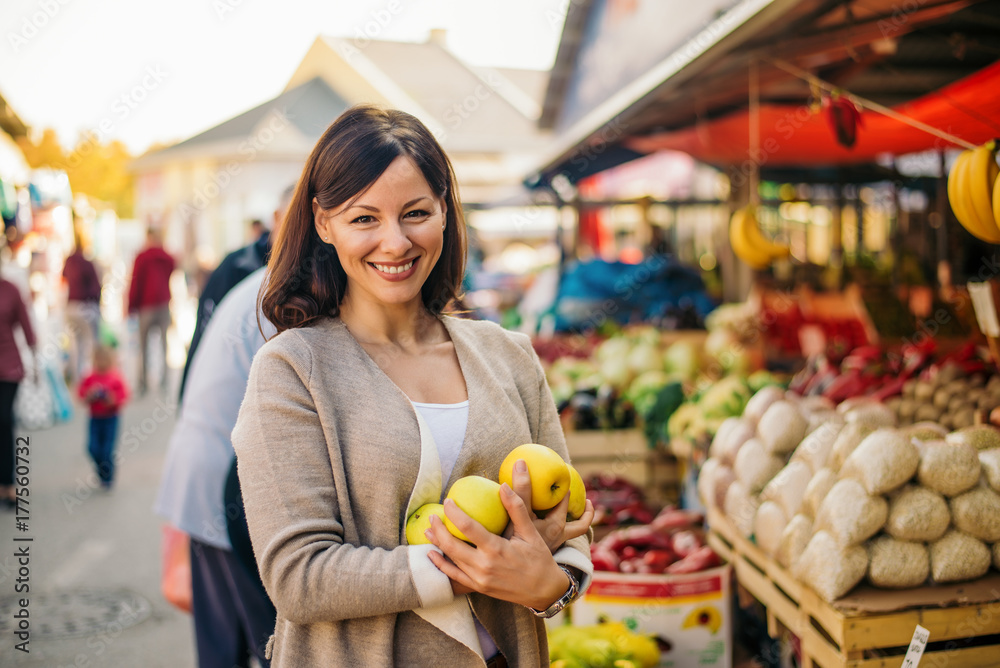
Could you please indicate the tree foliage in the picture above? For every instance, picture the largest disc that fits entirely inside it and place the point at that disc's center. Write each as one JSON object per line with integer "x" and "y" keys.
{"x": 99, "y": 170}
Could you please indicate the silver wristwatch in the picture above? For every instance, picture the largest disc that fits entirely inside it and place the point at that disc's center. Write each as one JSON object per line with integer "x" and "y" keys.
{"x": 564, "y": 600}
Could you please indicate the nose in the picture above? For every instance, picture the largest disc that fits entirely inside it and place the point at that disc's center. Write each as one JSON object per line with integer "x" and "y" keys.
{"x": 394, "y": 239}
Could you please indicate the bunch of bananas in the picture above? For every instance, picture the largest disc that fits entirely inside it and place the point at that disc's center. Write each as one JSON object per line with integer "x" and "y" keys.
{"x": 749, "y": 243}
{"x": 974, "y": 192}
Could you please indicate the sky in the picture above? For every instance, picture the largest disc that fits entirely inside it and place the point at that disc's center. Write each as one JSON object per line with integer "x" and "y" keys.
{"x": 146, "y": 71}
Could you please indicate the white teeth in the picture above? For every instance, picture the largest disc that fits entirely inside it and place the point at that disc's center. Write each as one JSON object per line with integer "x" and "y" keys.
{"x": 393, "y": 270}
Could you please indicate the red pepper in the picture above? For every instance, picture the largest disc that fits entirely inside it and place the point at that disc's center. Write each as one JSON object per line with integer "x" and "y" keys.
{"x": 850, "y": 384}
{"x": 603, "y": 559}
{"x": 671, "y": 519}
{"x": 891, "y": 388}
{"x": 698, "y": 560}
{"x": 658, "y": 560}
{"x": 687, "y": 542}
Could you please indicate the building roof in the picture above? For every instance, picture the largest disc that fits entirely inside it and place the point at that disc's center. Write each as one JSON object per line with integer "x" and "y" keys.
{"x": 309, "y": 108}
{"x": 470, "y": 109}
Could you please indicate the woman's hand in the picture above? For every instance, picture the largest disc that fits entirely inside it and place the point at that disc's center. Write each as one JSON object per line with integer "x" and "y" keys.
{"x": 519, "y": 569}
{"x": 553, "y": 527}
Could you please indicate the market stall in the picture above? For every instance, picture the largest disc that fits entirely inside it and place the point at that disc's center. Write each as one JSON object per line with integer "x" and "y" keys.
{"x": 849, "y": 244}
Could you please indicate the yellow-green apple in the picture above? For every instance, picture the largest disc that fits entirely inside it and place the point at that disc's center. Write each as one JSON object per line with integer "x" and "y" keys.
{"x": 479, "y": 497}
{"x": 420, "y": 521}
{"x": 577, "y": 495}
{"x": 549, "y": 474}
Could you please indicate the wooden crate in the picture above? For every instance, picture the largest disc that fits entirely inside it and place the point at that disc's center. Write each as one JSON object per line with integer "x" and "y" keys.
{"x": 868, "y": 628}
{"x": 624, "y": 452}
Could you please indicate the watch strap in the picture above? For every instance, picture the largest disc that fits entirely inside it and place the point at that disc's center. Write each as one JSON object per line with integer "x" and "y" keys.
{"x": 564, "y": 600}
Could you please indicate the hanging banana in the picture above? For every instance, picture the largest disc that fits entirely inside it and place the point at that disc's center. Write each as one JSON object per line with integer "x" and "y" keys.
{"x": 972, "y": 192}
{"x": 749, "y": 243}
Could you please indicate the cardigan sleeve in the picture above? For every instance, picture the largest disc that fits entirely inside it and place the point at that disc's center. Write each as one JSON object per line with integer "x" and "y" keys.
{"x": 291, "y": 501}
{"x": 548, "y": 430}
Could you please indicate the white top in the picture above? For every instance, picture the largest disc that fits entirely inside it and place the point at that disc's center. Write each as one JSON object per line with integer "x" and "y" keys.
{"x": 447, "y": 423}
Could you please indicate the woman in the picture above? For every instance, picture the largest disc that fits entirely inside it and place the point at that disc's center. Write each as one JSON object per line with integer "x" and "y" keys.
{"x": 13, "y": 313}
{"x": 369, "y": 403}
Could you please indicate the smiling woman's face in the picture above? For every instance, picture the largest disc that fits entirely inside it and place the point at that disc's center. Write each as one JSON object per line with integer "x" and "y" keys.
{"x": 389, "y": 238}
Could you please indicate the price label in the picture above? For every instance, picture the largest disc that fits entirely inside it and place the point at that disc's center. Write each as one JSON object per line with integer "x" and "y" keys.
{"x": 916, "y": 649}
{"x": 985, "y": 308}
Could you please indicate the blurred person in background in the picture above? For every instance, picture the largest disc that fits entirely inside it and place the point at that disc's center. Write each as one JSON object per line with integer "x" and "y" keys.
{"x": 149, "y": 299}
{"x": 83, "y": 308}
{"x": 13, "y": 313}
{"x": 105, "y": 391}
{"x": 233, "y": 616}
{"x": 256, "y": 229}
{"x": 234, "y": 268}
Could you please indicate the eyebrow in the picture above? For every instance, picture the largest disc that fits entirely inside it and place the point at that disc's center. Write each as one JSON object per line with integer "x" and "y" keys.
{"x": 375, "y": 209}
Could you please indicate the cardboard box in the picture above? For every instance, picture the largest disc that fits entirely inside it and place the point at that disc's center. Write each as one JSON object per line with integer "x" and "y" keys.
{"x": 691, "y": 613}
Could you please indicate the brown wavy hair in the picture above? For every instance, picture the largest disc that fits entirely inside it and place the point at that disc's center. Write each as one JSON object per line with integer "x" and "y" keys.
{"x": 305, "y": 280}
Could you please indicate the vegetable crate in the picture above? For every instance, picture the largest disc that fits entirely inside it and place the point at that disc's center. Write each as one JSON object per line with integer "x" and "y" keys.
{"x": 624, "y": 452}
{"x": 868, "y": 628}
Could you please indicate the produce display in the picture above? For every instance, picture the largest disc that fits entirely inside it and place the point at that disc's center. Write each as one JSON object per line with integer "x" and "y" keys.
{"x": 621, "y": 377}
{"x": 842, "y": 493}
{"x": 479, "y": 497}
{"x": 606, "y": 645}
{"x": 973, "y": 192}
{"x": 673, "y": 542}
{"x": 917, "y": 384}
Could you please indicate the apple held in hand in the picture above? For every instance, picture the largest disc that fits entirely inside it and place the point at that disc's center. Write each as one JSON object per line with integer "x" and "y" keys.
{"x": 479, "y": 498}
{"x": 549, "y": 474}
{"x": 420, "y": 521}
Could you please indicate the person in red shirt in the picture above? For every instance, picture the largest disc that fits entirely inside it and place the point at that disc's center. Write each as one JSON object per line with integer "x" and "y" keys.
{"x": 149, "y": 298}
{"x": 106, "y": 392}
{"x": 13, "y": 312}
{"x": 83, "y": 308}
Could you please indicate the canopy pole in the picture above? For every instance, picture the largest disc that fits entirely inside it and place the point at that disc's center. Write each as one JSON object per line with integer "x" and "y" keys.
{"x": 866, "y": 103}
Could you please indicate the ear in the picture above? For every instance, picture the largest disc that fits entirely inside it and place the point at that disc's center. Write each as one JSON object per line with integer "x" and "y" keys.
{"x": 319, "y": 219}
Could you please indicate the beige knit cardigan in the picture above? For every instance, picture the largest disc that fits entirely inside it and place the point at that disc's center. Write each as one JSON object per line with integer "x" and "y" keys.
{"x": 332, "y": 458}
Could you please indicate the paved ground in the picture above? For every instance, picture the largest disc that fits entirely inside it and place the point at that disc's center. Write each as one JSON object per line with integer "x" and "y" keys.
{"x": 94, "y": 559}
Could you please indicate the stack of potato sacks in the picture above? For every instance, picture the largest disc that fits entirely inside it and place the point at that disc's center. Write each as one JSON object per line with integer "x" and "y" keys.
{"x": 836, "y": 495}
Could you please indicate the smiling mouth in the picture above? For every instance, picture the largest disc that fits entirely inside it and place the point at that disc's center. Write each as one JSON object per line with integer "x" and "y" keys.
{"x": 393, "y": 269}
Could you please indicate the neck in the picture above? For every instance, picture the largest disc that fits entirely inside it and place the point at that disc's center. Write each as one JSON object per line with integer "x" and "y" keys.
{"x": 397, "y": 324}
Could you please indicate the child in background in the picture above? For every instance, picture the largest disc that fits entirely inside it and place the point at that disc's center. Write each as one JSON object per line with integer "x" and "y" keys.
{"x": 106, "y": 392}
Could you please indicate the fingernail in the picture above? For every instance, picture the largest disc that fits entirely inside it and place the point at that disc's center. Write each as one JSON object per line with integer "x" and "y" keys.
{"x": 429, "y": 535}
{"x": 520, "y": 466}
{"x": 505, "y": 488}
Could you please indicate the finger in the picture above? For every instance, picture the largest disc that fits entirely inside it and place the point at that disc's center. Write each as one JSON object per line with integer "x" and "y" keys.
{"x": 580, "y": 526}
{"x": 473, "y": 530}
{"x": 520, "y": 517}
{"x": 522, "y": 482}
{"x": 450, "y": 569}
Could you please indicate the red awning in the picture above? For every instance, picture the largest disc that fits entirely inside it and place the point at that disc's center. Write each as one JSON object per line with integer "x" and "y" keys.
{"x": 791, "y": 135}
